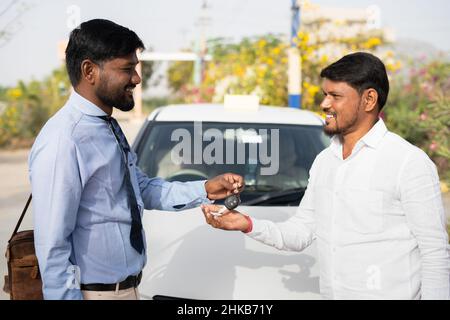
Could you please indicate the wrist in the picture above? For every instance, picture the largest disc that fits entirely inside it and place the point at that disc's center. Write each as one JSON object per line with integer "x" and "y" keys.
{"x": 249, "y": 224}
{"x": 206, "y": 189}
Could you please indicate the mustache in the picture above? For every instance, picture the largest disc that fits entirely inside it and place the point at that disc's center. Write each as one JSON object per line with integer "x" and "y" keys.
{"x": 328, "y": 110}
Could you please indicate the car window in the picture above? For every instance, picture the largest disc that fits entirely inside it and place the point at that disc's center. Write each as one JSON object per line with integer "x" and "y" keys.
{"x": 271, "y": 157}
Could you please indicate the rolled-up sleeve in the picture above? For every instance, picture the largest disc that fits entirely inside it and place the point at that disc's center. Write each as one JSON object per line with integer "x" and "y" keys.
{"x": 56, "y": 188}
{"x": 422, "y": 203}
{"x": 160, "y": 194}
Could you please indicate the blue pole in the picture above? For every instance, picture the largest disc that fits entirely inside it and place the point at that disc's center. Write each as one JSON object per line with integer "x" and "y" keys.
{"x": 295, "y": 21}
{"x": 294, "y": 69}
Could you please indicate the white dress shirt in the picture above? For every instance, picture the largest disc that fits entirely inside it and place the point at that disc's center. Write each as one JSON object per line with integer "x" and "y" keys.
{"x": 378, "y": 220}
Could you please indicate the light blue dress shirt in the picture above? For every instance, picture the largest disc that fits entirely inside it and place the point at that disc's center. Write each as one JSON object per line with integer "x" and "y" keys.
{"x": 81, "y": 214}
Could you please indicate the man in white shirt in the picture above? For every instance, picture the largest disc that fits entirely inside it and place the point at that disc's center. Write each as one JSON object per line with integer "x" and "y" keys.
{"x": 373, "y": 201}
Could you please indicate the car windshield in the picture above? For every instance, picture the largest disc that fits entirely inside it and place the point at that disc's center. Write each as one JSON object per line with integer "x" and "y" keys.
{"x": 272, "y": 158}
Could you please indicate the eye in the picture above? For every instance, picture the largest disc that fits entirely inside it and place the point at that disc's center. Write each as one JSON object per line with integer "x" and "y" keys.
{"x": 336, "y": 96}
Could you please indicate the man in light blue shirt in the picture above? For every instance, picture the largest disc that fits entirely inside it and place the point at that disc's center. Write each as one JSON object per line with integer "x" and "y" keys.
{"x": 85, "y": 182}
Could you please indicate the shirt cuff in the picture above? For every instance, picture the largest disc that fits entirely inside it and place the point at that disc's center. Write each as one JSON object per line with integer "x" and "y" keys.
{"x": 250, "y": 224}
{"x": 203, "y": 193}
{"x": 257, "y": 228}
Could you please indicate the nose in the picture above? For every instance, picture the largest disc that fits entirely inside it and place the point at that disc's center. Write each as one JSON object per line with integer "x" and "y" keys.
{"x": 136, "y": 79}
{"x": 326, "y": 103}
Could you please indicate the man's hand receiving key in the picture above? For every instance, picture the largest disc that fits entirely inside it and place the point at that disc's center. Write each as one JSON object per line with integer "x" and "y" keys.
{"x": 230, "y": 203}
{"x": 225, "y": 217}
{"x": 229, "y": 220}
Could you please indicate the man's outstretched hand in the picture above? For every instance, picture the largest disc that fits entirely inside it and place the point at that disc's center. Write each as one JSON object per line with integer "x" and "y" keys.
{"x": 231, "y": 220}
{"x": 224, "y": 185}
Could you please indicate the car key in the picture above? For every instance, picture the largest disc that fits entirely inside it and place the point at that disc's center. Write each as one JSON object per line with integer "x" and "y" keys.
{"x": 231, "y": 203}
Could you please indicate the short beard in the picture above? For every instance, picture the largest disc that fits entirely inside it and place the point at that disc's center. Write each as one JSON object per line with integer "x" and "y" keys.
{"x": 343, "y": 130}
{"x": 110, "y": 99}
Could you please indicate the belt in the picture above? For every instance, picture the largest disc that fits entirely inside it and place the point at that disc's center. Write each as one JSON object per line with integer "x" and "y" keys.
{"x": 129, "y": 282}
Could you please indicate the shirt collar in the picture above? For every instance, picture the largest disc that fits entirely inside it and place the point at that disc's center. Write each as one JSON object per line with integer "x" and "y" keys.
{"x": 375, "y": 134}
{"x": 372, "y": 138}
{"x": 84, "y": 105}
{"x": 336, "y": 145}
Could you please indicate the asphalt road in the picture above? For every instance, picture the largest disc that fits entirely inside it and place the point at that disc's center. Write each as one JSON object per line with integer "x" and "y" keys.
{"x": 15, "y": 189}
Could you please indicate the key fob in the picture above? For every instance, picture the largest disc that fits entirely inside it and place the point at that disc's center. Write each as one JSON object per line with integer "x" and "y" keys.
{"x": 231, "y": 202}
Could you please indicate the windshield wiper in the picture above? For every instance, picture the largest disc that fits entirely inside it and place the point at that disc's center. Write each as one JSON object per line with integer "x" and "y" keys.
{"x": 290, "y": 196}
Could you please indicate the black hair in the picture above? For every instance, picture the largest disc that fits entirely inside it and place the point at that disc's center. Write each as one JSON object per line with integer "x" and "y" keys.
{"x": 98, "y": 40}
{"x": 360, "y": 70}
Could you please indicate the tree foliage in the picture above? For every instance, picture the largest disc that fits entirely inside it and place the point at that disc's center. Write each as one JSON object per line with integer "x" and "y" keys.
{"x": 418, "y": 109}
{"x": 259, "y": 65}
{"x": 26, "y": 107}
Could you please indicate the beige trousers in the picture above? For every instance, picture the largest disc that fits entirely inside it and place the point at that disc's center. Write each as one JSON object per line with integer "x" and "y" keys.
{"x": 127, "y": 294}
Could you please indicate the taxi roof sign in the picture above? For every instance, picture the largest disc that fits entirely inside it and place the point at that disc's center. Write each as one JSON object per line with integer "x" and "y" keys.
{"x": 241, "y": 102}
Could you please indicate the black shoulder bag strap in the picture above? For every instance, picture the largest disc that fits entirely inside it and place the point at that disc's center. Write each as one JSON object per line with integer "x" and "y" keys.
{"x": 21, "y": 218}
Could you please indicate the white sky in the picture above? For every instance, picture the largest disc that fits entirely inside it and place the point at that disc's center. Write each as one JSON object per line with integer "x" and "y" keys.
{"x": 168, "y": 25}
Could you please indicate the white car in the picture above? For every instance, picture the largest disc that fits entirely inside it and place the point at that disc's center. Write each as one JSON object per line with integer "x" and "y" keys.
{"x": 189, "y": 259}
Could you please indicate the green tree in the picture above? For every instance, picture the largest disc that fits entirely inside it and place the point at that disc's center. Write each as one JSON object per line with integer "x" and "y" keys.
{"x": 258, "y": 65}
{"x": 418, "y": 109}
{"x": 29, "y": 105}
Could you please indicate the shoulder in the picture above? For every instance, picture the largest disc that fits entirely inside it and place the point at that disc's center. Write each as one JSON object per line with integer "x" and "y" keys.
{"x": 59, "y": 132}
{"x": 63, "y": 123}
{"x": 402, "y": 148}
{"x": 411, "y": 160}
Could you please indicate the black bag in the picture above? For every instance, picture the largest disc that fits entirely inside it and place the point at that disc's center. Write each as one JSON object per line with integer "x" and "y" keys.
{"x": 23, "y": 281}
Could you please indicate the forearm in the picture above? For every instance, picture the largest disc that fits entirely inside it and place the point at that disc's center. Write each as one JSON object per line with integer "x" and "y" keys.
{"x": 172, "y": 196}
{"x": 434, "y": 252}
{"x": 60, "y": 279}
{"x": 291, "y": 235}
{"x": 422, "y": 203}
{"x": 435, "y": 274}
{"x": 53, "y": 227}
{"x": 56, "y": 188}
{"x": 54, "y": 214}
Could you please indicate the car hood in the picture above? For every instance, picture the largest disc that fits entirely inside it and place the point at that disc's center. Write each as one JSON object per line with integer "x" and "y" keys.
{"x": 187, "y": 258}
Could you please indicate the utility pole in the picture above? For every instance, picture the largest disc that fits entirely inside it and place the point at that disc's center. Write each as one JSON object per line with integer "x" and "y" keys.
{"x": 294, "y": 60}
{"x": 203, "y": 23}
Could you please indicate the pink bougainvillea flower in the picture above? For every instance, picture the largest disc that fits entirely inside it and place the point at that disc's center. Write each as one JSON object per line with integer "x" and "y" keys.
{"x": 423, "y": 116}
{"x": 433, "y": 146}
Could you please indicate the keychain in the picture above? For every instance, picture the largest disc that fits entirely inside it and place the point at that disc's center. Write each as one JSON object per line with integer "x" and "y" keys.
{"x": 231, "y": 203}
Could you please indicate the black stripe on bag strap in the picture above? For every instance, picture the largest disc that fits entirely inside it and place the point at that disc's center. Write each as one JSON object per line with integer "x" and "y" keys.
{"x": 21, "y": 218}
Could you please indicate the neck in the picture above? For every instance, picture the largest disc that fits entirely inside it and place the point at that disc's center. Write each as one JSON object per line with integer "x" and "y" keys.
{"x": 350, "y": 138}
{"x": 89, "y": 95}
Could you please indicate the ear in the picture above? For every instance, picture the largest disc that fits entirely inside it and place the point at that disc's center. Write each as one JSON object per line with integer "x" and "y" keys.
{"x": 89, "y": 71}
{"x": 370, "y": 100}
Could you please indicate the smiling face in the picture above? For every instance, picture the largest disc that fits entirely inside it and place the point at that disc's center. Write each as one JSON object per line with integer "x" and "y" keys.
{"x": 117, "y": 79}
{"x": 343, "y": 107}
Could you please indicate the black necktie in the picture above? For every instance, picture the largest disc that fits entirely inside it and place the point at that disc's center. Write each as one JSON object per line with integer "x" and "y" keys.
{"x": 136, "y": 239}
